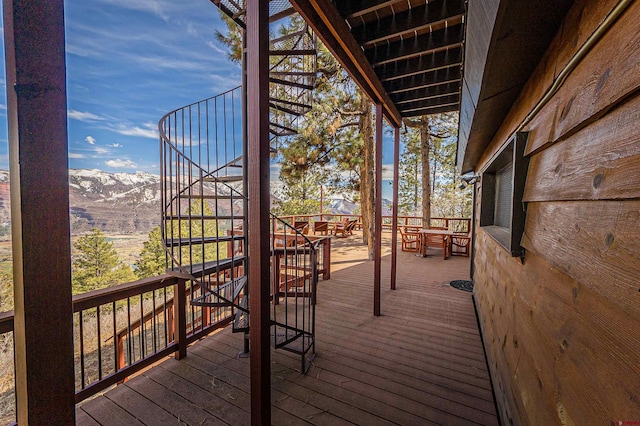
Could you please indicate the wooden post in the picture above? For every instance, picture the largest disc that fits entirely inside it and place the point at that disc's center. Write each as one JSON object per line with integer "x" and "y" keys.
{"x": 37, "y": 119}
{"x": 326, "y": 259}
{"x": 259, "y": 199}
{"x": 180, "y": 317}
{"x": 378, "y": 215}
{"x": 394, "y": 227}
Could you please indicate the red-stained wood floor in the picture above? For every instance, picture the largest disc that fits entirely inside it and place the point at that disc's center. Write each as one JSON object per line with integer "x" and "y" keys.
{"x": 419, "y": 363}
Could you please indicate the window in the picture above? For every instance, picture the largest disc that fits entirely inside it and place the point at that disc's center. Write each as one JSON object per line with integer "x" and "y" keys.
{"x": 502, "y": 213}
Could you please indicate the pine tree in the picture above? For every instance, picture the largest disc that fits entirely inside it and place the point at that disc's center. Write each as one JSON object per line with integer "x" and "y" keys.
{"x": 96, "y": 264}
{"x": 152, "y": 260}
{"x": 410, "y": 172}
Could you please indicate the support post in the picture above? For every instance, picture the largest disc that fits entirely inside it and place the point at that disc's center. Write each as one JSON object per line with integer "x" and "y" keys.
{"x": 378, "y": 215}
{"x": 180, "y": 317}
{"x": 394, "y": 226}
{"x": 258, "y": 226}
{"x": 40, "y": 227}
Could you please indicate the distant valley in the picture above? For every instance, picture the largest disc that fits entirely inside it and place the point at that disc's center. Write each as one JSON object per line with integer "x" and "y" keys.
{"x": 124, "y": 203}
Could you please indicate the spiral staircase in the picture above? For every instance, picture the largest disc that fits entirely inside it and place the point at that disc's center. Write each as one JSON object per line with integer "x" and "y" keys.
{"x": 204, "y": 196}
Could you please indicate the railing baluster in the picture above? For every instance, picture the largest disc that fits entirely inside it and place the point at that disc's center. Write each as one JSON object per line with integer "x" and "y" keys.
{"x": 81, "y": 325}
{"x": 99, "y": 342}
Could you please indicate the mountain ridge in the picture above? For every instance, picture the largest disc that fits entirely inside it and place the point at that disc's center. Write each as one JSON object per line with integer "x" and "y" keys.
{"x": 122, "y": 203}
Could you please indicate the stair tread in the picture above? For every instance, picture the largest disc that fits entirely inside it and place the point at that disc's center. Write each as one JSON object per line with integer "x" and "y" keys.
{"x": 223, "y": 295}
{"x": 297, "y": 341}
{"x": 195, "y": 217}
{"x": 211, "y": 197}
{"x": 229, "y": 178}
{"x": 241, "y": 320}
{"x": 173, "y": 242}
{"x": 292, "y": 52}
{"x": 290, "y": 83}
{"x": 210, "y": 267}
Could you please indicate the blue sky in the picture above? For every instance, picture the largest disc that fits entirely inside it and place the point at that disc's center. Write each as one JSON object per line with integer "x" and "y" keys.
{"x": 128, "y": 63}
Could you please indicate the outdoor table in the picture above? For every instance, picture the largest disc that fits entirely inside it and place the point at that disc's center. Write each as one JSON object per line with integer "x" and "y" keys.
{"x": 446, "y": 240}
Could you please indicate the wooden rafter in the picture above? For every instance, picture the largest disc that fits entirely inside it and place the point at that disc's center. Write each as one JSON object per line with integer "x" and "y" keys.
{"x": 422, "y": 45}
{"x": 408, "y": 22}
{"x": 332, "y": 29}
{"x": 428, "y": 79}
{"x": 435, "y": 61}
{"x": 435, "y": 110}
{"x": 438, "y": 90}
{"x": 431, "y": 103}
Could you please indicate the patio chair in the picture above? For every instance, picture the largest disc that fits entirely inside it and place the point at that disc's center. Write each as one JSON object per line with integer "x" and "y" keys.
{"x": 460, "y": 245}
{"x": 301, "y": 226}
{"x": 345, "y": 229}
{"x": 321, "y": 226}
{"x": 438, "y": 241}
{"x": 338, "y": 225}
{"x": 410, "y": 240}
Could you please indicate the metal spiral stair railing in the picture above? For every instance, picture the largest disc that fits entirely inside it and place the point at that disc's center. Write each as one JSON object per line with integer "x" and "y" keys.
{"x": 204, "y": 196}
{"x": 293, "y": 69}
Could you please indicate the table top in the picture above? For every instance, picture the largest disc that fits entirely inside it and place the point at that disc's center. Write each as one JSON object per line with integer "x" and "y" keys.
{"x": 436, "y": 231}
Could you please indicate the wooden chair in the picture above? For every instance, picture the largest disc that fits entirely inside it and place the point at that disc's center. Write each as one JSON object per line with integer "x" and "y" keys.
{"x": 410, "y": 240}
{"x": 437, "y": 241}
{"x": 345, "y": 229}
{"x": 335, "y": 226}
{"x": 460, "y": 245}
{"x": 302, "y": 227}
{"x": 320, "y": 226}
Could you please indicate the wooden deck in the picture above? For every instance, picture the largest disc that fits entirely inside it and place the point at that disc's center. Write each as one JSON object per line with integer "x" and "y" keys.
{"x": 420, "y": 363}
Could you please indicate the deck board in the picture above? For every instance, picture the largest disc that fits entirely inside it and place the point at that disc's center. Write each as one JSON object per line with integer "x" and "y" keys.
{"x": 420, "y": 362}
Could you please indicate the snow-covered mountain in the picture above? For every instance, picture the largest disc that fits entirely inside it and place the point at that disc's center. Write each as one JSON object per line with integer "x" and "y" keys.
{"x": 127, "y": 203}
{"x": 112, "y": 202}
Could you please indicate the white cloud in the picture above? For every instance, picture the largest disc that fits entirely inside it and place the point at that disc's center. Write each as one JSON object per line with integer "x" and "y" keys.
{"x": 147, "y": 131}
{"x": 83, "y": 116}
{"x": 115, "y": 145}
{"x": 91, "y": 140}
{"x": 75, "y": 155}
{"x": 3, "y": 106}
{"x": 100, "y": 151}
{"x": 217, "y": 49}
{"x": 121, "y": 164}
{"x": 155, "y": 7}
{"x": 387, "y": 172}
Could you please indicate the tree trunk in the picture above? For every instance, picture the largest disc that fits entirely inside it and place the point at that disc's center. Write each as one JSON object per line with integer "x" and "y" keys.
{"x": 425, "y": 141}
{"x": 367, "y": 189}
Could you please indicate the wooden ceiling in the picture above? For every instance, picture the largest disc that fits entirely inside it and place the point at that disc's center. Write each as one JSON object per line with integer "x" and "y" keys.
{"x": 406, "y": 54}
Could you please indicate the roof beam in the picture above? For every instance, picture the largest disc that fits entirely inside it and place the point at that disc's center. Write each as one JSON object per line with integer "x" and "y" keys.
{"x": 435, "y": 61}
{"x": 430, "y": 92}
{"x": 332, "y": 29}
{"x": 422, "y": 45}
{"x": 430, "y": 103}
{"x": 435, "y": 110}
{"x": 428, "y": 79}
{"x": 408, "y": 22}
{"x": 349, "y": 12}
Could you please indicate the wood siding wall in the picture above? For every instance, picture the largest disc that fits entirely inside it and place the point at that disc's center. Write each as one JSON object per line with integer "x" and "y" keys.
{"x": 562, "y": 328}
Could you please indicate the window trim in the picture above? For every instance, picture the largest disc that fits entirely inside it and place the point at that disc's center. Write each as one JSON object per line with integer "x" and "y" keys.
{"x": 511, "y": 153}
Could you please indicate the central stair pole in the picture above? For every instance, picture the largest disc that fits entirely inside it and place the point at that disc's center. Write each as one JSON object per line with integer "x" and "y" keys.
{"x": 258, "y": 188}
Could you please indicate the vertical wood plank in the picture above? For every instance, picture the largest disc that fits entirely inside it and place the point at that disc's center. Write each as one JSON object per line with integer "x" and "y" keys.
{"x": 37, "y": 118}
{"x": 394, "y": 226}
{"x": 258, "y": 190}
{"x": 378, "y": 214}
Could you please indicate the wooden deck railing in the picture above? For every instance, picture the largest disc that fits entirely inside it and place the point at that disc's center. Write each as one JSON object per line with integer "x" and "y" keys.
{"x": 123, "y": 329}
{"x": 120, "y": 330}
{"x": 457, "y": 224}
